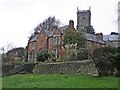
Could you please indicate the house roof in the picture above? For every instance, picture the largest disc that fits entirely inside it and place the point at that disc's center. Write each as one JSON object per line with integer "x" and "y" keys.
{"x": 93, "y": 38}
{"x": 34, "y": 38}
{"x": 113, "y": 37}
{"x": 63, "y": 28}
{"x": 48, "y": 33}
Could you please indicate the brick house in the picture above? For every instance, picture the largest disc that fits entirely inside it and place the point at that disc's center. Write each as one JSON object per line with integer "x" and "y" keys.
{"x": 52, "y": 41}
{"x": 94, "y": 41}
{"x": 48, "y": 40}
{"x": 45, "y": 40}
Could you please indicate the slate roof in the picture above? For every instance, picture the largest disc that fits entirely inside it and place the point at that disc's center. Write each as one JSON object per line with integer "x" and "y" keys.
{"x": 93, "y": 38}
{"x": 48, "y": 33}
{"x": 34, "y": 38}
{"x": 63, "y": 28}
{"x": 111, "y": 37}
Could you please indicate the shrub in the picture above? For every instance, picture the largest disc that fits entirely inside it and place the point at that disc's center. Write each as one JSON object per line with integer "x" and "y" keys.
{"x": 109, "y": 56}
{"x": 82, "y": 55}
{"x": 44, "y": 55}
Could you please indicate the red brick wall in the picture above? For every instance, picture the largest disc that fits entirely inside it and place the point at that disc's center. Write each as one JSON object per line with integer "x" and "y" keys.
{"x": 91, "y": 46}
{"x": 30, "y": 47}
{"x": 62, "y": 52}
{"x": 42, "y": 37}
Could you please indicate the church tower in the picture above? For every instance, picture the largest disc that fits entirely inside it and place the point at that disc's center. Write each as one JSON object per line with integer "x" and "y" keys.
{"x": 83, "y": 18}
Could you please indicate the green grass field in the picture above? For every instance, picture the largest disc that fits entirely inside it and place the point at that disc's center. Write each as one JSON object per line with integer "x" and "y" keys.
{"x": 58, "y": 81}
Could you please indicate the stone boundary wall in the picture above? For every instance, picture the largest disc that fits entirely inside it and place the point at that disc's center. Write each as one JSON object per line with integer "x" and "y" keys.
{"x": 17, "y": 68}
{"x": 72, "y": 67}
{"x": 69, "y": 67}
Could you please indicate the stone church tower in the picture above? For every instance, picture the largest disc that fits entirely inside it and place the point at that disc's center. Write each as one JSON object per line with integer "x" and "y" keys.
{"x": 83, "y": 18}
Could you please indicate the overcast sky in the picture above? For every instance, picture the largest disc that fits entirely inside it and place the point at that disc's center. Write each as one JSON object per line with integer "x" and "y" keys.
{"x": 18, "y": 18}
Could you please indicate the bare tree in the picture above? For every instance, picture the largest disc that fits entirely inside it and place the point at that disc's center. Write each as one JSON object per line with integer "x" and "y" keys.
{"x": 48, "y": 23}
{"x": 2, "y": 50}
{"x": 9, "y": 46}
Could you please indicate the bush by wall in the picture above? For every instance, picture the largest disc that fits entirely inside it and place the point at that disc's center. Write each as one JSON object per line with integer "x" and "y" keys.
{"x": 44, "y": 55}
{"x": 107, "y": 59}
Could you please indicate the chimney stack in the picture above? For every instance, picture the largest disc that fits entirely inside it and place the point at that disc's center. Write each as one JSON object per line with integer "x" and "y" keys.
{"x": 99, "y": 36}
{"x": 71, "y": 24}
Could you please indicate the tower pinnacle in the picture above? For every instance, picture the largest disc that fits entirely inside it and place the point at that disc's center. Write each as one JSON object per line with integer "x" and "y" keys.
{"x": 77, "y": 8}
{"x": 90, "y": 8}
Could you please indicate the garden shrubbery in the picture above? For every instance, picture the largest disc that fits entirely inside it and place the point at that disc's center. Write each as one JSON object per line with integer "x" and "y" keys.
{"x": 44, "y": 56}
{"x": 82, "y": 54}
{"x": 107, "y": 59}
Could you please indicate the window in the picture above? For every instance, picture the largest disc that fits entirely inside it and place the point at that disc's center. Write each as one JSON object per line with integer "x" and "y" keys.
{"x": 54, "y": 40}
{"x": 41, "y": 44}
{"x": 58, "y": 40}
{"x": 55, "y": 51}
{"x": 51, "y": 41}
{"x": 83, "y": 18}
{"x": 33, "y": 45}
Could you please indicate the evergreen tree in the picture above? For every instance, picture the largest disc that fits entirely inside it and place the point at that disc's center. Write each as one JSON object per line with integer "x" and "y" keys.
{"x": 90, "y": 29}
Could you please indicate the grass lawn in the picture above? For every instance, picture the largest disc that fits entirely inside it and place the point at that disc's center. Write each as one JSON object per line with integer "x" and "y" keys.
{"x": 58, "y": 81}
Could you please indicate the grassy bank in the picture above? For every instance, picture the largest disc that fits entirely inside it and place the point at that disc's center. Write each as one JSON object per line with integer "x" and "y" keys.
{"x": 58, "y": 81}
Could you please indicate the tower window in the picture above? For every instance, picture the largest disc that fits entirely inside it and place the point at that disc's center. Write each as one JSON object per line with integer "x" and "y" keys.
{"x": 83, "y": 18}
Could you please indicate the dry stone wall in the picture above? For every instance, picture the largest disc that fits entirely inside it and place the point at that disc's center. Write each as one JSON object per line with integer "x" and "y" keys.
{"x": 17, "y": 68}
{"x": 81, "y": 67}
